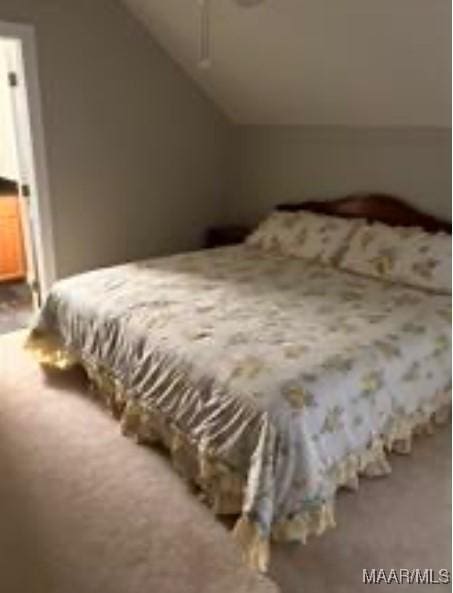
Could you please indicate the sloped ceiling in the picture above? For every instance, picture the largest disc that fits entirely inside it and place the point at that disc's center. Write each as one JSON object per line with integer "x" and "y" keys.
{"x": 326, "y": 62}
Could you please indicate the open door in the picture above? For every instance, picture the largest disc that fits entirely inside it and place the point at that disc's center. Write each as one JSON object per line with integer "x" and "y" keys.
{"x": 12, "y": 67}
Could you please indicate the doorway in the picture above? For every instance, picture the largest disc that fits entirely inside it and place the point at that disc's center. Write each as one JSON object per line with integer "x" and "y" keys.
{"x": 16, "y": 296}
{"x": 26, "y": 245}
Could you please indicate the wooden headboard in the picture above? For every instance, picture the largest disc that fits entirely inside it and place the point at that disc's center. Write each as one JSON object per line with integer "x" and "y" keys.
{"x": 374, "y": 208}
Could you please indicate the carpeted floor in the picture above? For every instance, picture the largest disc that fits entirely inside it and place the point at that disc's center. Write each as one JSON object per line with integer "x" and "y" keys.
{"x": 16, "y": 307}
{"x": 85, "y": 510}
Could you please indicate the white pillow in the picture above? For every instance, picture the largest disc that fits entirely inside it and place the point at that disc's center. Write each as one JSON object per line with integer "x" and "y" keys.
{"x": 409, "y": 255}
{"x": 304, "y": 234}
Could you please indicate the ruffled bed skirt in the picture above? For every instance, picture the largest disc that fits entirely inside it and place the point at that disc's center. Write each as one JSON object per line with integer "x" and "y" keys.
{"x": 222, "y": 488}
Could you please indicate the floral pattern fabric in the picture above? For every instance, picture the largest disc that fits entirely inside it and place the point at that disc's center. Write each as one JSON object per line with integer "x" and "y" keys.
{"x": 278, "y": 367}
{"x": 408, "y": 255}
{"x": 304, "y": 234}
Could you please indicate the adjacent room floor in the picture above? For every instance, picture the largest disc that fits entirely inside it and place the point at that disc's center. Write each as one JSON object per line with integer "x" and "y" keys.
{"x": 84, "y": 510}
{"x": 16, "y": 307}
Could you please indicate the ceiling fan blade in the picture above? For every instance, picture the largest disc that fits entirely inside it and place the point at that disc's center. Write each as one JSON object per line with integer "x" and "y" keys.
{"x": 204, "y": 61}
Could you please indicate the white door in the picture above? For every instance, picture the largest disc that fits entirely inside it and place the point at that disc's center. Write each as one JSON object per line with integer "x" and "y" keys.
{"x": 20, "y": 165}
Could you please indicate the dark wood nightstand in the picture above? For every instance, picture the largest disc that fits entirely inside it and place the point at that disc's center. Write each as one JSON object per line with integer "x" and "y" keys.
{"x": 222, "y": 235}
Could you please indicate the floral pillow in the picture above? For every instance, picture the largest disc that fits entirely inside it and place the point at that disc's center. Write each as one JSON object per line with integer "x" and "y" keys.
{"x": 408, "y": 255}
{"x": 304, "y": 234}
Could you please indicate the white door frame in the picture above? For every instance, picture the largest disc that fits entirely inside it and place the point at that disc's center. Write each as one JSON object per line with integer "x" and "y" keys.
{"x": 33, "y": 141}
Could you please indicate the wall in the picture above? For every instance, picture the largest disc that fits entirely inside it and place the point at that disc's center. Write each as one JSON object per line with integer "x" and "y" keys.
{"x": 8, "y": 160}
{"x": 272, "y": 164}
{"x": 136, "y": 153}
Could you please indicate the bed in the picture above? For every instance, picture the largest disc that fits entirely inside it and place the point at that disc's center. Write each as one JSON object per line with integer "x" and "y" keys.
{"x": 272, "y": 380}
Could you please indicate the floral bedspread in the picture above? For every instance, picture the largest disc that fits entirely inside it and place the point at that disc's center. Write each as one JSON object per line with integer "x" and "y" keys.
{"x": 279, "y": 367}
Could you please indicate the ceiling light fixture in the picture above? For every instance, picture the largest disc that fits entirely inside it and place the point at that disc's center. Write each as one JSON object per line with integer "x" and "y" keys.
{"x": 204, "y": 60}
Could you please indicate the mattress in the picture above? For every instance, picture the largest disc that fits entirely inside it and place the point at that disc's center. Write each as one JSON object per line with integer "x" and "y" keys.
{"x": 273, "y": 380}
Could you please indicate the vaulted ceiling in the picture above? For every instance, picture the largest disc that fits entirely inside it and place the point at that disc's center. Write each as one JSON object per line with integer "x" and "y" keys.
{"x": 328, "y": 62}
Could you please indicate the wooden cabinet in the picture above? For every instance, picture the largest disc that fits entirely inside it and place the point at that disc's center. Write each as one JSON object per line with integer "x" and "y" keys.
{"x": 12, "y": 256}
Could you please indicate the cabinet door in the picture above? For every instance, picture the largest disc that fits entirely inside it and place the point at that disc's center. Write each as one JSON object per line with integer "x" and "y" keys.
{"x": 12, "y": 260}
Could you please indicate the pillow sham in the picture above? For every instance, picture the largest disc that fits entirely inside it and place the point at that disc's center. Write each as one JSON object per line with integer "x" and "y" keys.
{"x": 304, "y": 234}
{"x": 409, "y": 255}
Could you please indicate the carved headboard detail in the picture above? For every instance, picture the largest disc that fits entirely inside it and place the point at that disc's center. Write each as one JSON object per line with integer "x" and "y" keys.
{"x": 383, "y": 208}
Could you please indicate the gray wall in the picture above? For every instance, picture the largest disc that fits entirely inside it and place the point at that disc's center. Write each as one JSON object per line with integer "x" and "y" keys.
{"x": 271, "y": 164}
{"x": 136, "y": 152}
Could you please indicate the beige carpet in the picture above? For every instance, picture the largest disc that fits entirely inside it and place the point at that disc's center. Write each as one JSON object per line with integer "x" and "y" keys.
{"x": 85, "y": 510}
{"x": 82, "y": 509}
